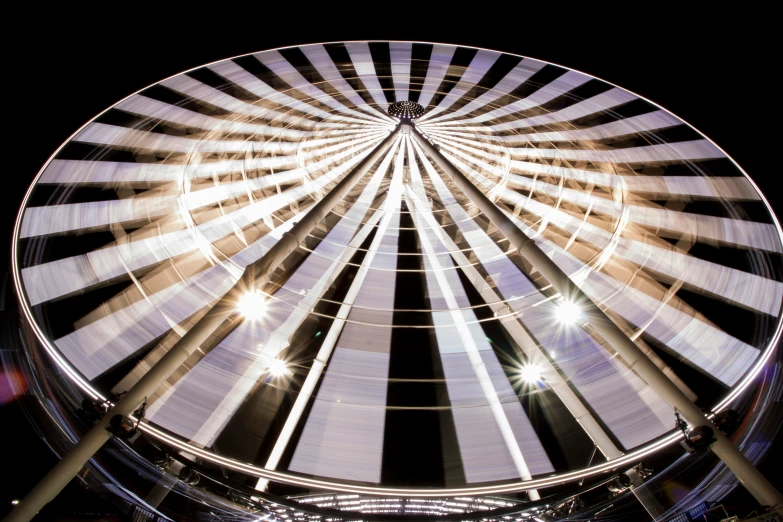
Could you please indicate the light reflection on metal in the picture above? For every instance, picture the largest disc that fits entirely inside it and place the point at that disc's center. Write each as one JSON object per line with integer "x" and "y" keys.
{"x": 530, "y": 373}
{"x": 252, "y": 305}
{"x": 568, "y": 312}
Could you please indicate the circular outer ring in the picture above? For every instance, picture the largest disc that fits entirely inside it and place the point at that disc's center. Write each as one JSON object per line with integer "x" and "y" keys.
{"x": 630, "y": 458}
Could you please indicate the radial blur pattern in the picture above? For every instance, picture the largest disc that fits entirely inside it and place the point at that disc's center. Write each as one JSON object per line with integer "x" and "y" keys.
{"x": 403, "y": 343}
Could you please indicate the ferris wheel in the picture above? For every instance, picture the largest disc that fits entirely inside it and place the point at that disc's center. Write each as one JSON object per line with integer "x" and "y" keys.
{"x": 403, "y": 344}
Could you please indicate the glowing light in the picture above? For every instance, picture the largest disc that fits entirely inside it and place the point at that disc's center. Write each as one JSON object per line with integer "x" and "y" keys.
{"x": 252, "y": 305}
{"x": 14, "y": 502}
{"x": 278, "y": 368}
{"x": 568, "y": 312}
{"x": 530, "y": 373}
{"x": 406, "y": 110}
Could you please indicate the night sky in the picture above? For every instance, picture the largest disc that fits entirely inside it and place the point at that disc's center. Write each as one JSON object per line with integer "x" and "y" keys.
{"x": 716, "y": 74}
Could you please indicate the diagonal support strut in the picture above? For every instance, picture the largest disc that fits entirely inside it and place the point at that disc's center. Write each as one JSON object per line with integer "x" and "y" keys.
{"x": 254, "y": 276}
{"x": 758, "y": 486}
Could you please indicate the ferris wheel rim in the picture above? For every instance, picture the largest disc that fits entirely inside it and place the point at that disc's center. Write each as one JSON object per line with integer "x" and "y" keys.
{"x": 286, "y": 477}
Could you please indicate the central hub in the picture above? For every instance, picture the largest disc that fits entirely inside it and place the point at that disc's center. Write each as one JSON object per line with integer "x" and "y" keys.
{"x": 406, "y": 110}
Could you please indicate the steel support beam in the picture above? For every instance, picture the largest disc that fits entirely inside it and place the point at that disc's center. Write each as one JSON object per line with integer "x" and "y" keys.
{"x": 254, "y": 277}
{"x": 761, "y": 489}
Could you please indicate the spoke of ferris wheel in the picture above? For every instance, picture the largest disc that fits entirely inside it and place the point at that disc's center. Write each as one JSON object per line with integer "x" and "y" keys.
{"x": 737, "y": 187}
{"x": 711, "y": 277}
{"x": 280, "y": 66}
{"x": 436, "y": 72}
{"x": 400, "y": 53}
{"x": 113, "y": 261}
{"x": 478, "y": 67}
{"x": 208, "y": 417}
{"x": 567, "y": 82}
{"x": 154, "y": 203}
{"x": 329, "y": 345}
{"x": 254, "y": 276}
{"x": 696, "y": 340}
{"x": 323, "y": 63}
{"x": 586, "y": 352}
{"x": 758, "y": 485}
{"x": 526, "y": 68}
{"x": 743, "y": 233}
{"x": 472, "y": 340}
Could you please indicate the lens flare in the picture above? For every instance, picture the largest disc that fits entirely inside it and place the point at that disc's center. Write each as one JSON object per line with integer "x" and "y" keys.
{"x": 278, "y": 368}
{"x": 252, "y": 305}
{"x": 568, "y": 312}
{"x": 530, "y": 373}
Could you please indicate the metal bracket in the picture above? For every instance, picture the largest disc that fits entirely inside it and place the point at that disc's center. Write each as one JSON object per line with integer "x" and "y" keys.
{"x": 289, "y": 234}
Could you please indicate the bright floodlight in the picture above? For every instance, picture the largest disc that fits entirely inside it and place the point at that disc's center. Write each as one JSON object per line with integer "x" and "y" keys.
{"x": 252, "y": 305}
{"x": 530, "y": 373}
{"x": 277, "y": 368}
{"x": 568, "y": 312}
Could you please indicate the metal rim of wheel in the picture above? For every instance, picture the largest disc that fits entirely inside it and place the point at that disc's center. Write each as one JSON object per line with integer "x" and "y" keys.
{"x": 153, "y": 208}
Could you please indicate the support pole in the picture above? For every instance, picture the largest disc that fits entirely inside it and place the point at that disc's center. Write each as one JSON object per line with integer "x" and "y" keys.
{"x": 254, "y": 276}
{"x": 160, "y": 490}
{"x": 529, "y": 347}
{"x": 758, "y": 486}
{"x": 644, "y": 495}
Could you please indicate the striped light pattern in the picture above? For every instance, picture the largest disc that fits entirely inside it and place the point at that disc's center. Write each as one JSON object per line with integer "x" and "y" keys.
{"x": 153, "y": 210}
